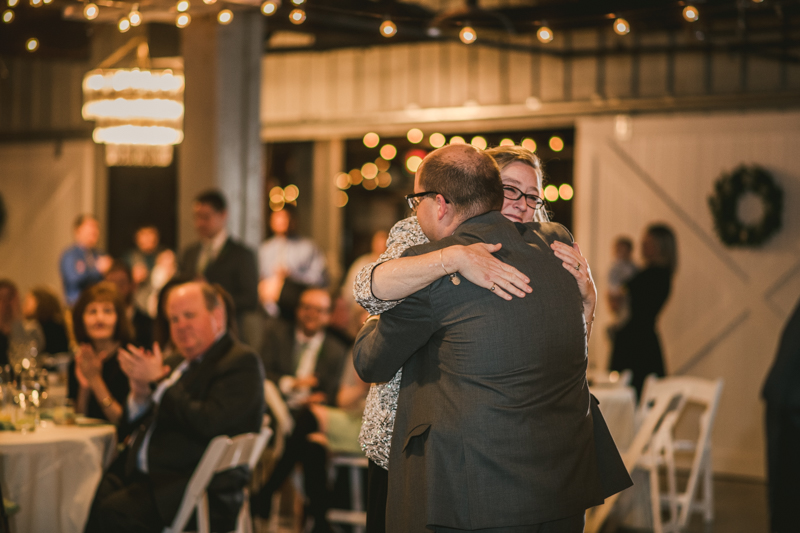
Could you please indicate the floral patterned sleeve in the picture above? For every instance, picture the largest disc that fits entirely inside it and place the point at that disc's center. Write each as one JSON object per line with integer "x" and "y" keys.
{"x": 404, "y": 235}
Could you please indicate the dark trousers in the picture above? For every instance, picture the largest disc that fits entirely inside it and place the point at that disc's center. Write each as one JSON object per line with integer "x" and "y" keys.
{"x": 124, "y": 505}
{"x": 377, "y": 489}
{"x": 783, "y": 467}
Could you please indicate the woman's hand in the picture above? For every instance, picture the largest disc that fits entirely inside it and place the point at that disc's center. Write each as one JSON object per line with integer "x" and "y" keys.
{"x": 477, "y": 264}
{"x": 577, "y": 265}
{"x": 88, "y": 364}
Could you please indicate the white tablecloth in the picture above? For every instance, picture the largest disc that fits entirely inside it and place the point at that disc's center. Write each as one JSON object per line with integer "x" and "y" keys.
{"x": 52, "y": 473}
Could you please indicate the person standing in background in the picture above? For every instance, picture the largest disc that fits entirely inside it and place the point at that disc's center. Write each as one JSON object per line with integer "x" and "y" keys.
{"x": 782, "y": 393}
{"x": 287, "y": 256}
{"x": 622, "y": 270}
{"x": 81, "y": 265}
{"x": 120, "y": 275}
{"x": 218, "y": 258}
{"x": 636, "y": 344}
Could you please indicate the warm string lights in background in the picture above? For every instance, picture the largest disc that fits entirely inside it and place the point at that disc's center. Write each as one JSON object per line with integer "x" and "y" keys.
{"x": 280, "y": 196}
{"x": 387, "y": 28}
{"x": 375, "y": 174}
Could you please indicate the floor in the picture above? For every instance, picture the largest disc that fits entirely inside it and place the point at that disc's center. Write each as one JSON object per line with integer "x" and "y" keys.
{"x": 740, "y": 507}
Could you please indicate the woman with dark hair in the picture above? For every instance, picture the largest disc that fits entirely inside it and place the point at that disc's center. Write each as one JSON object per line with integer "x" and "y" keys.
{"x": 636, "y": 344}
{"x": 101, "y": 327}
{"x": 42, "y": 305}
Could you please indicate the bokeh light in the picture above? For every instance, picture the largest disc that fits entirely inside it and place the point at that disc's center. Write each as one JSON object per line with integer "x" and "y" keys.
{"x": 413, "y": 162}
{"x": 342, "y": 180}
{"x": 355, "y": 176}
{"x": 384, "y": 179}
{"x": 437, "y": 140}
{"x": 388, "y": 152}
{"x": 556, "y": 143}
{"x": 566, "y": 192}
{"x": 382, "y": 164}
{"x": 414, "y": 135}
{"x": 529, "y": 144}
{"x": 478, "y": 142}
{"x": 369, "y": 171}
{"x": 551, "y": 193}
{"x": 371, "y": 139}
{"x": 457, "y": 139}
{"x": 291, "y": 192}
{"x": 340, "y": 199}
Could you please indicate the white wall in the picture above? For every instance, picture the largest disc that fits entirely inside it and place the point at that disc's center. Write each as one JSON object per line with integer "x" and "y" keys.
{"x": 45, "y": 186}
{"x": 728, "y": 305}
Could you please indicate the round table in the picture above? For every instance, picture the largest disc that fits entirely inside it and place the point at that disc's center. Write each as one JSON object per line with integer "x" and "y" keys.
{"x": 52, "y": 474}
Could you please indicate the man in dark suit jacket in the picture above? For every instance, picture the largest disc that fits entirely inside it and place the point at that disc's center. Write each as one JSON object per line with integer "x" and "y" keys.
{"x": 782, "y": 393}
{"x": 494, "y": 427}
{"x": 301, "y": 357}
{"x": 217, "y": 258}
{"x": 175, "y": 409}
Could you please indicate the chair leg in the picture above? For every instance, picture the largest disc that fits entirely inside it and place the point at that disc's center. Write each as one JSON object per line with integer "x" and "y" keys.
{"x": 203, "y": 525}
{"x": 356, "y": 495}
{"x": 655, "y": 497}
{"x": 708, "y": 487}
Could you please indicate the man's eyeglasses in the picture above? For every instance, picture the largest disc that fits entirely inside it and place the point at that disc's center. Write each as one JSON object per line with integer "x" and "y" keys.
{"x": 512, "y": 193}
{"x": 414, "y": 199}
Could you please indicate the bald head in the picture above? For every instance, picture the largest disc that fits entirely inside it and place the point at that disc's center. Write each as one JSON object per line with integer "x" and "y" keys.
{"x": 196, "y": 318}
{"x": 467, "y": 177}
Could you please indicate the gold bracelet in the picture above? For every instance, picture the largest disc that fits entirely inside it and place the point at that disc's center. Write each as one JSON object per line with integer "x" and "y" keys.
{"x": 372, "y": 317}
{"x": 441, "y": 260}
{"x": 106, "y": 402}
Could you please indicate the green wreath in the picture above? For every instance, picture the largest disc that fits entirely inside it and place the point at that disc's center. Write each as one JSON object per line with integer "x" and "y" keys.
{"x": 724, "y": 203}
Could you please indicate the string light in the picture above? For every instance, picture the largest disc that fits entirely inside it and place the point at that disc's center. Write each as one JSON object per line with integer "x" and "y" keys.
{"x": 621, "y": 26}
{"x": 551, "y": 193}
{"x": 544, "y": 34}
{"x": 556, "y": 143}
{"x": 298, "y": 2}
{"x": 225, "y": 16}
{"x": 506, "y": 142}
{"x": 388, "y": 152}
{"x": 123, "y": 25}
{"x": 388, "y": 28}
{"x": 437, "y": 140}
{"x": 135, "y": 17}
{"x": 209, "y": 2}
{"x": 91, "y": 11}
{"x": 478, "y": 142}
{"x": 36, "y": 3}
{"x": 414, "y": 135}
{"x": 297, "y": 16}
{"x": 690, "y": 13}
{"x": 565, "y": 191}
{"x": 183, "y": 6}
{"x": 32, "y": 44}
{"x": 8, "y": 16}
{"x": 371, "y": 139}
{"x": 291, "y": 193}
{"x": 183, "y": 20}
{"x": 270, "y": 7}
{"x": 529, "y": 144}
{"x": 467, "y": 35}
{"x": 413, "y": 162}
{"x": 340, "y": 199}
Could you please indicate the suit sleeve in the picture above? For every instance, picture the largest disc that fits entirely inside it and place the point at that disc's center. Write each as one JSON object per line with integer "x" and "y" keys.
{"x": 383, "y": 346}
{"x": 236, "y": 391}
{"x": 246, "y": 298}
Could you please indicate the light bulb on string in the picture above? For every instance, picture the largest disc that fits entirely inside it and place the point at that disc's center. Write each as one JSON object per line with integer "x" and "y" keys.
{"x": 182, "y": 6}
{"x": 225, "y": 16}
{"x": 123, "y": 25}
{"x": 134, "y": 16}
{"x": 298, "y": 2}
{"x": 209, "y": 2}
{"x": 544, "y": 34}
{"x": 270, "y": 7}
{"x": 32, "y": 44}
{"x": 13, "y": 3}
{"x": 183, "y": 20}
{"x": 8, "y": 16}
{"x": 36, "y": 3}
{"x": 621, "y": 26}
{"x": 388, "y": 28}
{"x": 297, "y": 16}
{"x": 467, "y": 35}
{"x": 90, "y": 11}
{"x": 690, "y": 13}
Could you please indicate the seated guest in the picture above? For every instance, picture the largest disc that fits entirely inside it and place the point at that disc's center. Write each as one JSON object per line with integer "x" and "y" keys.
{"x": 14, "y": 331}
{"x": 96, "y": 381}
{"x": 120, "y": 275}
{"x": 212, "y": 386}
{"x": 301, "y": 358}
{"x": 81, "y": 265}
{"x": 318, "y": 430}
{"x": 42, "y": 306}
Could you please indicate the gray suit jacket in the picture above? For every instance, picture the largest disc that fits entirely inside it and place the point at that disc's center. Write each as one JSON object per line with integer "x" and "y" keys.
{"x": 494, "y": 423}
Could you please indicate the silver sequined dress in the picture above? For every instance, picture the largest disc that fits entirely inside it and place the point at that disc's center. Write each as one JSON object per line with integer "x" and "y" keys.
{"x": 376, "y": 429}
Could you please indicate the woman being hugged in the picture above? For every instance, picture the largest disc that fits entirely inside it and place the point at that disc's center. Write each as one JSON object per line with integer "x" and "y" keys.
{"x": 101, "y": 327}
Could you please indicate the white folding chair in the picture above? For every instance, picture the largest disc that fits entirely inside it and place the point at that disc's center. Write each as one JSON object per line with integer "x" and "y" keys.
{"x": 357, "y": 516}
{"x": 222, "y": 453}
{"x": 649, "y": 426}
{"x": 682, "y": 434}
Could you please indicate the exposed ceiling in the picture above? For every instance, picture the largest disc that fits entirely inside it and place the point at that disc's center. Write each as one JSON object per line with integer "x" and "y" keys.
{"x": 63, "y": 33}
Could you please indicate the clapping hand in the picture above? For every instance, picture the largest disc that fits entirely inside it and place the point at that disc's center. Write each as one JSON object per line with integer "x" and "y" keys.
{"x": 142, "y": 366}
{"x": 88, "y": 364}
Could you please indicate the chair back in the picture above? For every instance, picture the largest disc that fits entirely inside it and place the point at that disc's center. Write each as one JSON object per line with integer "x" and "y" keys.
{"x": 223, "y": 453}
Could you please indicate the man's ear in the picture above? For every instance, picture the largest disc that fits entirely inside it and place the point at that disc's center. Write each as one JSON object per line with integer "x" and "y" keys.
{"x": 442, "y": 207}
{"x": 218, "y": 314}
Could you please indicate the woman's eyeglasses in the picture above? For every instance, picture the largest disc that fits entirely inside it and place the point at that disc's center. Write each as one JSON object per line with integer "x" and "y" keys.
{"x": 512, "y": 193}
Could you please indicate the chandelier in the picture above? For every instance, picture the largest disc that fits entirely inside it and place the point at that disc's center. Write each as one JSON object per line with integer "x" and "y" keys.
{"x": 138, "y": 114}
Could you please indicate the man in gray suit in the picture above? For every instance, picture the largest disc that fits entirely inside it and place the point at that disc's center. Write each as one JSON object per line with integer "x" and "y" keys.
{"x": 495, "y": 425}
